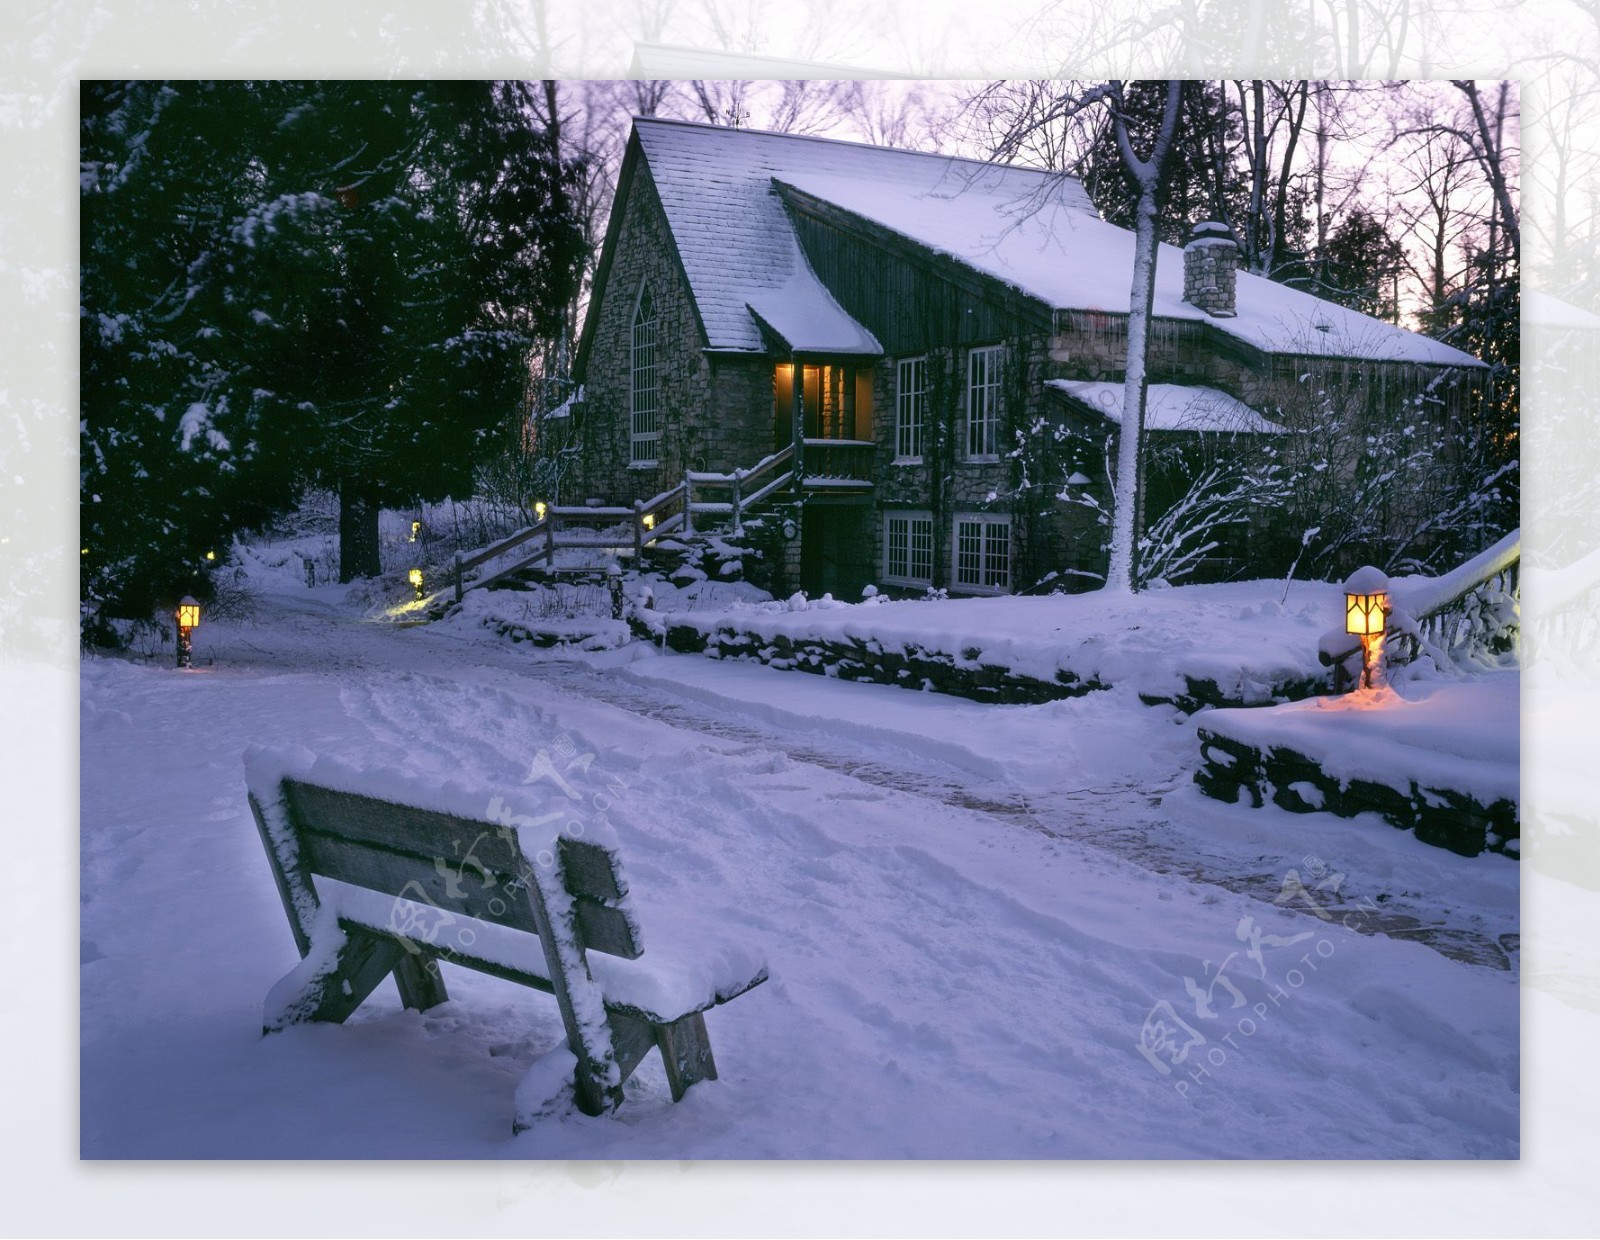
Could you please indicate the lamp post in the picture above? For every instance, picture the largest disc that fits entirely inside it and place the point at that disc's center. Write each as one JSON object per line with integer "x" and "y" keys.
{"x": 1366, "y": 614}
{"x": 188, "y": 617}
{"x": 614, "y": 584}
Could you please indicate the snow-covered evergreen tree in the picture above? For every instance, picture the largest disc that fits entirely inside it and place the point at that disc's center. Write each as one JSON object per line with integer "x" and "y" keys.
{"x": 300, "y": 283}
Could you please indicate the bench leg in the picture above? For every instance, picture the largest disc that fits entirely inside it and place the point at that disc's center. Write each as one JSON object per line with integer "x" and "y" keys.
{"x": 686, "y": 1051}
{"x": 328, "y": 987}
{"x": 421, "y": 983}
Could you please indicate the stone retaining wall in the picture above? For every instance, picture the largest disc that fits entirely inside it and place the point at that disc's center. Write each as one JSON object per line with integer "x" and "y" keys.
{"x": 1292, "y": 781}
{"x": 854, "y": 659}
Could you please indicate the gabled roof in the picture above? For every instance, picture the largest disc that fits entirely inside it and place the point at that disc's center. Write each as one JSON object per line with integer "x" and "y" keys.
{"x": 1171, "y": 407}
{"x": 1035, "y": 231}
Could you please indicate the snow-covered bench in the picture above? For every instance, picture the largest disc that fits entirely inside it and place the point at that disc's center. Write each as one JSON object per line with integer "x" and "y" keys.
{"x": 422, "y": 874}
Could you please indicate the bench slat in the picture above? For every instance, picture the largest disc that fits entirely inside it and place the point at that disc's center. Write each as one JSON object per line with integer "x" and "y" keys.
{"x": 406, "y": 876}
{"x": 456, "y": 841}
{"x": 606, "y": 929}
{"x": 588, "y": 869}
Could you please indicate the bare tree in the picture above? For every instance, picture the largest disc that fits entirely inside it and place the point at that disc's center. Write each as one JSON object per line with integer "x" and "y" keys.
{"x": 1146, "y": 171}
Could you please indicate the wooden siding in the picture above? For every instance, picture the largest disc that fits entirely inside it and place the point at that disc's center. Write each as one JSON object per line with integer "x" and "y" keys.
{"x": 911, "y": 299}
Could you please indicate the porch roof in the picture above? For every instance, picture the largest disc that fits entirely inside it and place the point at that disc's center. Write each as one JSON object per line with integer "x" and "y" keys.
{"x": 1171, "y": 407}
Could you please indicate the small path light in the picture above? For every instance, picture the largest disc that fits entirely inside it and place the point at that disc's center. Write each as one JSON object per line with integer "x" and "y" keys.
{"x": 648, "y": 520}
{"x": 416, "y": 530}
{"x": 415, "y": 578}
{"x": 188, "y": 618}
{"x": 1366, "y": 614}
{"x": 539, "y": 509}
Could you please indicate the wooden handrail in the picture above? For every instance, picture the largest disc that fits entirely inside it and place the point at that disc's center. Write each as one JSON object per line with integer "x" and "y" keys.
{"x": 1426, "y": 617}
{"x": 504, "y": 545}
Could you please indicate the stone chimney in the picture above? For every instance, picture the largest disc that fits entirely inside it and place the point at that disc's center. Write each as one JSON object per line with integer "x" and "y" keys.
{"x": 1210, "y": 266}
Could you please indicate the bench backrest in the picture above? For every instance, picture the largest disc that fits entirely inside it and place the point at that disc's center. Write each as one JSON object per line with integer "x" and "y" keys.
{"x": 474, "y": 869}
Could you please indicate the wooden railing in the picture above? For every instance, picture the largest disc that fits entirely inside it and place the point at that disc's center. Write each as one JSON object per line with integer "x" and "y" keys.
{"x": 834, "y": 462}
{"x": 1470, "y": 613}
{"x": 701, "y": 494}
{"x": 613, "y": 528}
{"x": 742, "y": 488}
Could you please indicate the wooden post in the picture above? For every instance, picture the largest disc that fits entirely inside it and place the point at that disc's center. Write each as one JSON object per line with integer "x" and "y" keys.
{"x": 738, "y": 477}
{"x": 688, "y": 505}
{"x": 459, "y": 590}
{"x": 614, "y": 584}
{"x": 638, "y": 530}
{"x": 798, "y": 401}
{"x": 550, "y": 540}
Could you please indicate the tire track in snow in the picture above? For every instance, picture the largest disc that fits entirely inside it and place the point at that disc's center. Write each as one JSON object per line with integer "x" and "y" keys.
{"x": 1117, "y": 818}
{"x": 1081, "y": 816}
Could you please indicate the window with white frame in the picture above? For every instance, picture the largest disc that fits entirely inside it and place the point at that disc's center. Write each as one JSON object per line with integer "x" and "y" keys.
{"x": 984, "y": 368}
{"x": 911, "y": 408}
{"x": 644, "y": 424}
{"x": 983, "y": 552}
{"x": 908, "y": 548}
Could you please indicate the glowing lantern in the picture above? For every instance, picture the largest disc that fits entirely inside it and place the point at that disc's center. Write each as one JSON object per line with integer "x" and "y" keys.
{"x": 648, "y": 520}
{"x": 539, "y": 510}
{"x": 1366, "y": 614}
{"x": 415, "y": 578}
{"x": 416, "y": 528}
{"x": 188, "y": 618}
{"x": 211, "y": 555}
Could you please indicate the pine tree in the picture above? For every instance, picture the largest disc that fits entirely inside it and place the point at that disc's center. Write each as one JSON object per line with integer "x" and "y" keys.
{"x": 289, "y": 284}
{"x": 1360, "y": 266}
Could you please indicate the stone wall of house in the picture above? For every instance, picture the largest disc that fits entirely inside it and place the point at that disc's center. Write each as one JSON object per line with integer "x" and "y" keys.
{"x": 1049, "y": 536}
{"x": 716, "y": 411}
{"x": 644, "y": 252}
{"x": 734, "y": 428}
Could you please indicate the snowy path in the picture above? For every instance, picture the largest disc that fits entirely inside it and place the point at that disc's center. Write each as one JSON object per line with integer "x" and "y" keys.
{"x": 944, "y": 983}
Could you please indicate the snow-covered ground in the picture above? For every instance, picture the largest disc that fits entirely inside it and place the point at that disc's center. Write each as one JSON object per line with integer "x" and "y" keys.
{"x": 994, "y": 932}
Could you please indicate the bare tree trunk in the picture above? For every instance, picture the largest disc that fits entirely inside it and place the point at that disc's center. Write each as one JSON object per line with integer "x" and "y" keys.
{"x": 1490, "y": 157}
{"x": 1127, "y": 518}
{"x": 358, "y": 532}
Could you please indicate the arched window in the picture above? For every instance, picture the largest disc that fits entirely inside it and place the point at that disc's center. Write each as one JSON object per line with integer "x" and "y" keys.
{"x": 644, "y": 425}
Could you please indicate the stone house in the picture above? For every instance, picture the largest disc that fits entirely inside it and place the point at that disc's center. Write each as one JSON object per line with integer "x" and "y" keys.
{"x": 935, "y": 340}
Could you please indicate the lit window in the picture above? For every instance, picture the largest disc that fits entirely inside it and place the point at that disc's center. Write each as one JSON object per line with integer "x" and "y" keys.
{"x": 911, "y": 408}
{"x": 983, "y": 401}
{"x": 983, "y": 553}
{"x": 908, "y": 548}
{"x": 645, "y": 422}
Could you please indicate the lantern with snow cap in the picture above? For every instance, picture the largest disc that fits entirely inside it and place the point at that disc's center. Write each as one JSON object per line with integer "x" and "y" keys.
{"x": 187, "y": 616}
{"x": 1366, "y": 615}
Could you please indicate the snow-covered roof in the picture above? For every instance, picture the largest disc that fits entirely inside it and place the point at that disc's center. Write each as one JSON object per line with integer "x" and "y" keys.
{"x": 1034, "y": 230}
{"x": 737, "y": 245}
{"x": 1171, "y": 407}
{"x": 1547, "y": 311}
{"x": 807, "y": 318}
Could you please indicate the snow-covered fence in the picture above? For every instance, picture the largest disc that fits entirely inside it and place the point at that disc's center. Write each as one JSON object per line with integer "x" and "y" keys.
{"x": 743, "y": 489}
{"x": 594, "y": 527}
{"x": 1471, "y": 614}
